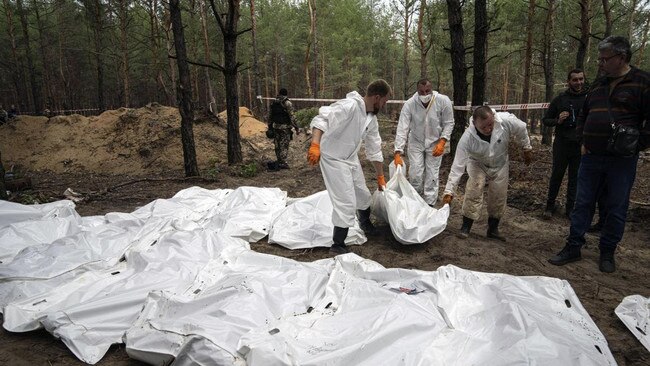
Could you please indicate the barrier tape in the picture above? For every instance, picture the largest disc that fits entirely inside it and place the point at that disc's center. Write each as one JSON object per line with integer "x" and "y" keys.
{"x": 468, "y": 107}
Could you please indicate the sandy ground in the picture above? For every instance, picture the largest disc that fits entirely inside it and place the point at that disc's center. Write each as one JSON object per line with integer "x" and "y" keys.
{"x": 126, "y": 158}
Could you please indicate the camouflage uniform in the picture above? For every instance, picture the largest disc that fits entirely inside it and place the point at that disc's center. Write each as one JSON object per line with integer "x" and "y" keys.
{"x": 283, "y": 133}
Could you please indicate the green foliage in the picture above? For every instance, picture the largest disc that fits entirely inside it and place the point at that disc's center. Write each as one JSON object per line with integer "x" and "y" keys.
{"x": 356, "y": 41}
{"x": 304, "y": 116}
{"x": 248, "y": 170}
{"x": 30, "y": 198}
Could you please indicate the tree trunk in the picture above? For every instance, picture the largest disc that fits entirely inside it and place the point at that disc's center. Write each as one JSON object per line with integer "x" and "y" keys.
{"x": 480, "y": 52}
{"x": 315, "y": 52}
{"x": 258, "y": 105}
{"x": 67, "y": 102}
{"x": 228, "y": 26}
{"x": 212, "y": 103}
{"x": 123, "y": 17}
{"x": 44, "y": 60}
{"x": 18, "y": 76}
{"x": 585, "y": 29}
{"x": 639, "y": 58}
{"x": 156, "y": 47}
{"x": 36, "y": 101}
{"x": 405, "y": 66}
{"x": 425, "y": 45}
{"x": 458, "y": 68}
{"x": 184, "y": 92}
{"x": 630, "y": 32}
{"x": 199, "y": 97}
{"x": 171, "y": 97}
{"x": 95, "y": 16}
{"x": 525, "y": 91}
{"x": 607, "y": 11}
{"x": 506, "y": 72}
{"x": 310, "y": 38}
{"x": 548, "y": 63}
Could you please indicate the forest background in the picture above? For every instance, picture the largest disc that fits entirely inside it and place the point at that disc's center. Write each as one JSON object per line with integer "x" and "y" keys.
{"x": 63, "y": 55}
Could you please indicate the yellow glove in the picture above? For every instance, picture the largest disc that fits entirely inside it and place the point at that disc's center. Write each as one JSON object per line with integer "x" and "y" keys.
{"x": 440, "y": 147}
{"x": 446, "y": 199}
{"x": 381, "y": 182}
{"x": 313, "y": 156}
{"x": 528, "y": 156}
{"x": 398, "y": 159}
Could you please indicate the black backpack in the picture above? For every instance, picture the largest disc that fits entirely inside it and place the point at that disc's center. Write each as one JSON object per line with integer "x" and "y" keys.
{"x": 279, "y": 113}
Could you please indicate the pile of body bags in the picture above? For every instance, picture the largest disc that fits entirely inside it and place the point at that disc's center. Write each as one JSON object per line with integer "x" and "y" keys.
{"x": 176, "y": 280}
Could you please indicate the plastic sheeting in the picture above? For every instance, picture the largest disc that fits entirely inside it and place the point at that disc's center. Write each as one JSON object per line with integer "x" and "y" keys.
{"x": 307, "y": 223}
{"x": 634, "y": 312}
{"x": 411, "y": 219}
{"x": 352, "y": 311}
{"x": 176, "y": 280}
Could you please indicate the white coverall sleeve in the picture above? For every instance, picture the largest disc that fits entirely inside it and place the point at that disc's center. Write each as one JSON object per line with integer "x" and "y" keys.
{"x": 373, "y": 142}
{"x": 519, "y": 132}
{"x": 447, "y": 119}
{"x": 403, "y": 127}
{"x": 321, "y": 121}
{"x": 458, "y": 166}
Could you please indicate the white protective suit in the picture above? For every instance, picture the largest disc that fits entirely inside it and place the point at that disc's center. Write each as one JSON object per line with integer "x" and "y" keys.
{"x": 424, "y": 127}
{"x": 345, "y": 124}
{"x": 486, "y": 162}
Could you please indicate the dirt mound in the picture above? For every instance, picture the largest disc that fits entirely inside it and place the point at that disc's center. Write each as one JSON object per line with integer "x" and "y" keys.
{"x": 123, "y": 141}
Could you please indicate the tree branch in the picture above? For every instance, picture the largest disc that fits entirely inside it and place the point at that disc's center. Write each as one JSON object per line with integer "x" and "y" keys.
{"x": 216, "y": 15}
{"x": 244, "y": 31}
{"x": 214, "y": 66}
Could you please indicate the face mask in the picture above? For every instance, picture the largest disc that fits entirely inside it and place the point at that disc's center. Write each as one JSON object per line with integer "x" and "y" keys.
{"x": 425, "y": 98}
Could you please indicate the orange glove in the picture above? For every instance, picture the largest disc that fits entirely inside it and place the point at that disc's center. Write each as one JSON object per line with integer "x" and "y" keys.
{"x": 313, "y": 156}
{"x": 440, "y": 147}
{"x": 381, "y": 182}
{"x": 447, "y": 199}
{"x": 398, "y": 159}
{"x": 528, "y": 156}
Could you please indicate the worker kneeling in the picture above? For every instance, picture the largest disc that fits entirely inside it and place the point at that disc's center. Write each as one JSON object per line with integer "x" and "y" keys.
{"x": 483, "y": 150}
{"x": 337, "y": 132}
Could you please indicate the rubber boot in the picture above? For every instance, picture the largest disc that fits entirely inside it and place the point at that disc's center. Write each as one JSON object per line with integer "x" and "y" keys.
{"x": 607, "y": 263}
{"x": 493, "y": 229}
{"x": 467, "y": 226}
{"x": 339, "y": 247}
{"x": 364, "y": 222}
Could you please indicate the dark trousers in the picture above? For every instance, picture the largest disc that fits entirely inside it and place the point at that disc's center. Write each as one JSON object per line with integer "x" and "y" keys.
{"x": 595, "y": 173}
{"x": 566, "y": 154}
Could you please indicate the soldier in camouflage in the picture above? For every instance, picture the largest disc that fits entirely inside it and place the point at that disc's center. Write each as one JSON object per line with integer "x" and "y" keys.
{"x": 281, "y": 120}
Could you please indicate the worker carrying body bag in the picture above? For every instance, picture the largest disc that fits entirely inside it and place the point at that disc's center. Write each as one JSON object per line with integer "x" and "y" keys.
{"x": 411, "y": 219}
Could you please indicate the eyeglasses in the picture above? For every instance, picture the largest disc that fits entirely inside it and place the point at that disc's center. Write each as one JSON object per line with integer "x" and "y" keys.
{"x": 603, "y": 60}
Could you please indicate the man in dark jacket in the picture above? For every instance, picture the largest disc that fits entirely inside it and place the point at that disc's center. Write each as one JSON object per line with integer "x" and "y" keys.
{"x": 563, "y": 114}
{"x": 620, "y": 98}
{"x": 281, "y": 120}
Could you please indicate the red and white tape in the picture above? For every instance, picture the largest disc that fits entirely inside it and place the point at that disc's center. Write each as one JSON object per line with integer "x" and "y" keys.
{"x": 497, "y": 107}
{"x": 507, "y": 107}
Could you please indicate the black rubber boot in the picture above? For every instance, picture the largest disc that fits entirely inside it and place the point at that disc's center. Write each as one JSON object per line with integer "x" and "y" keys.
{"x": 493, "y": 229}
{"x": 568, "y": 254}
{"x": 607, "y": 263}
{"x": 467, "y": 226}
{"x": 364, "y": 222}
{"x": 339, "y": 247}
